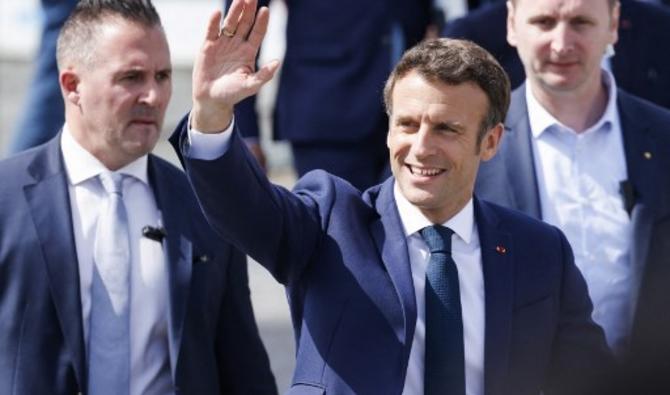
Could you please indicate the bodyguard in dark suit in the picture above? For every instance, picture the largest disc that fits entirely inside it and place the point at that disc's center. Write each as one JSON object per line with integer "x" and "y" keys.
{"x": 413, "y": 286}
{"x": 328, "y": 104}
{"x": 187, "y": 326}
{"x": 638, "y": 66}
{"x": 618, "y": 183}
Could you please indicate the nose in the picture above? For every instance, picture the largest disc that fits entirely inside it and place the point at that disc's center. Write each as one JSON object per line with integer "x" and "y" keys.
{"x": 562, "y": 42}
{"x": 423, "y": 145}
{"x": 152, "y": 93}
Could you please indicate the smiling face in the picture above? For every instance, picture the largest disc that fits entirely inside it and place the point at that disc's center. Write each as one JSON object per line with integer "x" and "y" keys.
{"x": 562, "y": 42}
{"x": 433, "y": 142}
{"x": 116, "y": 101}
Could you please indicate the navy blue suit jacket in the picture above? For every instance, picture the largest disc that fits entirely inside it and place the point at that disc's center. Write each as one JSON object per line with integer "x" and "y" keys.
{"x": 639, "y": 66}
{"x": 338, "y": 56}
{"x": 509, "y": 179}
{"x": 214, "y": 346}
{"x": 344, "y": 260}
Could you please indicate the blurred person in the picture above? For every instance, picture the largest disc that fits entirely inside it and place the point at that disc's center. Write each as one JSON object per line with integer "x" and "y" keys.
{"x": 592, "y": 159}
{"x": 329, "y": 100}
{"x": 111, "y": 280}
{"x": 42, "y": 113}
{"x": 381, "y": 302}
{"x": 637, "y": 65}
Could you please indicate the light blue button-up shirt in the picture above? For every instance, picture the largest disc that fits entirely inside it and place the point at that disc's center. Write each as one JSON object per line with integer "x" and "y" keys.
{"x": 579, "y": 178}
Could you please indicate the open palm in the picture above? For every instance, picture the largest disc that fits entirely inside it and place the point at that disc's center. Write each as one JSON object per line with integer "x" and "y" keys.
{"x": 224, "y": 72}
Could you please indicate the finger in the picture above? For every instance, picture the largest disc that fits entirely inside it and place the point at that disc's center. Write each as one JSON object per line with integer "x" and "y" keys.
{"x": 213, "y": 26}
{"x": 263, "y": 75}
{"x": 260, "y": 28}
{"x": 247, "y": 18}
{"x": 233, "y": 16}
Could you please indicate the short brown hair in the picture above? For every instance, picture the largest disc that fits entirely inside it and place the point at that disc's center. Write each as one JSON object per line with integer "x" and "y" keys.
{"x": 77, "y": 36}
{"x": 455, "y": 62}
{"x": 611, "y": 2}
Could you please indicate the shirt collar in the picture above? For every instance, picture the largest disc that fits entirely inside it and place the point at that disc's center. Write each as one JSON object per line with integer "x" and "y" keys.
{"x": 81, "y": 165}
{"x": 541, "y": 120}
{"x": 413, "y": 219}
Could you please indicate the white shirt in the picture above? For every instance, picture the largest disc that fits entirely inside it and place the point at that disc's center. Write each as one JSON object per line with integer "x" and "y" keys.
{"x": 149, "y": 356}
{"x": 465, "y": 251}
{"x": 579, "y": 179}
{"x": 467, "y": 255}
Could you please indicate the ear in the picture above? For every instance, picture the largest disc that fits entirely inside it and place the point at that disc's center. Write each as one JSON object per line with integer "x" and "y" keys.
{"x": 614, "y": 23}
{"x": 490, "y": 142}
{"x": 388, "y": 133}
{"x": 511, "y": 33}
{"x": 69, "y": 82}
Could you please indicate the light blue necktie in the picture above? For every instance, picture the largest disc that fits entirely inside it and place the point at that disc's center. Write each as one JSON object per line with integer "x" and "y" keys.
{"x": 444, "y": 362}
{"x": 109, "y": 325}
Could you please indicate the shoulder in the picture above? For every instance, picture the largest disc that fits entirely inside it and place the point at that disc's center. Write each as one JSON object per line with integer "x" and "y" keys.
{"x": 636, "y": 105}
{"x": 641, "y": 115}
{"x": 331, "y": 194}
{"x": 171, "y": 184}
{"x": 20, "y": 168}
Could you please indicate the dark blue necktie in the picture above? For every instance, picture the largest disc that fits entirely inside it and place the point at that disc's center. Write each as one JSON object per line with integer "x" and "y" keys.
{"x": 444, "y": 363}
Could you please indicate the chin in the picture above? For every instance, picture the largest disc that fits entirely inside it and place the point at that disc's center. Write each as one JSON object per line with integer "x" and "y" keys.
{"x": 419, "y": 197}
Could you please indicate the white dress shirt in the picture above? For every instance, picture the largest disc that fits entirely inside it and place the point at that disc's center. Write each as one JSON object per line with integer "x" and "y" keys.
{"x": 149, "y": 355}
{"x": 466, "y": 252}
{"x": 579, "y": 179}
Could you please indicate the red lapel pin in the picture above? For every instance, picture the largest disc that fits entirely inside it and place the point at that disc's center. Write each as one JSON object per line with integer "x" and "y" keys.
{"x": 501, "y": 249}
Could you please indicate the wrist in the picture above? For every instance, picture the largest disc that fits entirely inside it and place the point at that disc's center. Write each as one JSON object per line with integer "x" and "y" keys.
{"x": 210, "y": 120}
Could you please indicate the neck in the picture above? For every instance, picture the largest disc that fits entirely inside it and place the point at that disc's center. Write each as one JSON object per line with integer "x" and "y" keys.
{"x": 579, "y": 109}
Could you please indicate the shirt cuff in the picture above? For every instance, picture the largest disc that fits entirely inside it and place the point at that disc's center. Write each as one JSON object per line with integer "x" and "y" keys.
{"x": 208, "y": 146}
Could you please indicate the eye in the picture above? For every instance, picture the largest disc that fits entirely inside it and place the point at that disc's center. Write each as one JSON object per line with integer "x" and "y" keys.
{"x": 163, "y": 76}
{"x": 406, "y": 124}
{"x": 580, "y": 23}
{"x": 131, "y": 77}
{"x": 446, "y": 128}
{"x": 544, "y": 23}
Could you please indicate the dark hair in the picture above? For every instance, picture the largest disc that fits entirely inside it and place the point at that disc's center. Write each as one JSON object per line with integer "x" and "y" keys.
{"x": 611, "y": 2}
{"x": 455, "y": 62}
{"x": 77, "y": 36}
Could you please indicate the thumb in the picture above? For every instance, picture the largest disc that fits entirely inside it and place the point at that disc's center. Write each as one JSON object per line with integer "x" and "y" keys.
{"x": 263, "y": 75}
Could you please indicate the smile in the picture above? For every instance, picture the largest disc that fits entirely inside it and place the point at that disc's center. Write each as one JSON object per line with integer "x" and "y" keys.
{"x": 425, "y": 171}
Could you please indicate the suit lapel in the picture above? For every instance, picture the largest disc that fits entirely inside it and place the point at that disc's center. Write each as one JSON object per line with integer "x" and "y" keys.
{"x": 521, "y": 163}
{"x": 387, "y": 232}
{"x": 643, "y": 170}
{"x": 498, "y": 269}
{"x": 178, "y": 250}
{"x": 49, "y": 203}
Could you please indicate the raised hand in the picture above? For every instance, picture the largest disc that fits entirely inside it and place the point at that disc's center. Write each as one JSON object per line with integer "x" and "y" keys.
{"x": 224, "y": 70}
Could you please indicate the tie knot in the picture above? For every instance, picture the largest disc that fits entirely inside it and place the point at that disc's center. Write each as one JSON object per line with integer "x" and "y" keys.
{"x": 438, "y": 238}
{"x": 112, "y": 182}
